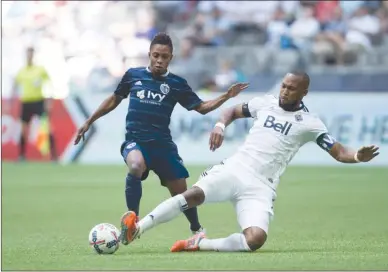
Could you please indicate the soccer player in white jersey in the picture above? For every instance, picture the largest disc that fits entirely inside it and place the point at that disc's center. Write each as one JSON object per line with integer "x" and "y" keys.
{"x": 249, "y": 178}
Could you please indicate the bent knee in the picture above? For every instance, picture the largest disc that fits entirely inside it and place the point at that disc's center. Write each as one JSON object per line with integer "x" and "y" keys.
{"x": 255, "y": 237}
{"x": 137, "y": 168}
{"x": 194, "y": 196}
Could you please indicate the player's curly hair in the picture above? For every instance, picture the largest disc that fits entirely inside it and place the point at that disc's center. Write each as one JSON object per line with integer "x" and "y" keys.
{"x": 162, "y": 38}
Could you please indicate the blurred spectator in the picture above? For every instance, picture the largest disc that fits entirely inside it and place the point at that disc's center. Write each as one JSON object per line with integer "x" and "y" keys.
{"x": 372, "y": 5}
{"x": 362, "y": 28}
{"x": 324, "y": 10}
{"x": 145, "y": 24}
{"x": 101, "y": 80}
{"x": 80, "y": 46}
{"x": 211, "y": 27}
{"x": 169, "y": 11}
{"x": 209, "y": 86}
{"x": 330, "y": 43}
{"x": 382, "y": 14}
{"x": 277, "y": 31}
{"x": 304, "y": 28}
{"x": 184, "y": 62}
{"x": 349, "y": 7}
{"x": 228, "y": 75}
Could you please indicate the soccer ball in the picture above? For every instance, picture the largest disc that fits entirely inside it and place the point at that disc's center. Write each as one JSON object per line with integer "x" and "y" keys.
{"x": 104, "y": 238}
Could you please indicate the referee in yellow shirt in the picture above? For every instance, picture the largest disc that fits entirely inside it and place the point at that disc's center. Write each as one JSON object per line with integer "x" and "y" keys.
{"x": 29, "y": 81}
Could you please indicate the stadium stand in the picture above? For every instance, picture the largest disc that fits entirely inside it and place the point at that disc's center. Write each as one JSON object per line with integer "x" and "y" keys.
{"x": 248, "y": 40}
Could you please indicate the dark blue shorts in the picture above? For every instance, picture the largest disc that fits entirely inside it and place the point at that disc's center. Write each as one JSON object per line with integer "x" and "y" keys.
{"x": 164, "y": 159}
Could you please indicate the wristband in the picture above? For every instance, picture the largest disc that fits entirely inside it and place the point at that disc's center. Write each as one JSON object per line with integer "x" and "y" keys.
{"x": 220, "y": 125}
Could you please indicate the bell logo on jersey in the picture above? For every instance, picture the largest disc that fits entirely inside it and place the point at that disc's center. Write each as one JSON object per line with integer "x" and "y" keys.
{"x": 279, "y": 127}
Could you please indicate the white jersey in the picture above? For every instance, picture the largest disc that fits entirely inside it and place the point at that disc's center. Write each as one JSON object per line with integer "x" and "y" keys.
{"x": 274, "y": 139}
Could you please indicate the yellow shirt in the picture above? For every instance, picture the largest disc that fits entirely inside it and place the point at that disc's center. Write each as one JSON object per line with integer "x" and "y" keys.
{"x": 30, "y": 80}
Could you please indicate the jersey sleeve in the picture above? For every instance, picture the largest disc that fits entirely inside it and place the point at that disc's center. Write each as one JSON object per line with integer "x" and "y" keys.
{"x": 321, "y": 136}
{"x": 254, "y": 105}
{"x": 124, "y": 87}
{"x": 187, "y": 98}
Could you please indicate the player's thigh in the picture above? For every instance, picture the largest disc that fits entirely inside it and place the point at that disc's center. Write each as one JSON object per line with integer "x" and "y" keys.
{"x": 218, "y": 184}
{"x": 135, "y": 158}
{"x": 254, "y": 208}
{"x": 169, "y": 167}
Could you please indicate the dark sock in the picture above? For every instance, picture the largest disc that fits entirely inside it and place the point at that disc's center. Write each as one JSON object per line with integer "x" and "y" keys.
{"x": 133, "y": 192}
{"x": 192, "y": 215}
{"x": 52, "y": 148}
{"x": 22, "y": 146}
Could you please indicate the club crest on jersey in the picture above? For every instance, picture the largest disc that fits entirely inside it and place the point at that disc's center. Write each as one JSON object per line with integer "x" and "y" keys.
{"x": 298, "y": 117}
{"x": 164, "y": 88}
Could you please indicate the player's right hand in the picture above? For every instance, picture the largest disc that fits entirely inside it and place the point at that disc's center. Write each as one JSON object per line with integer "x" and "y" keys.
{"x": 216, "y": 138}
{"x": 237, "y": 88}
{"x": 81, "y": 133}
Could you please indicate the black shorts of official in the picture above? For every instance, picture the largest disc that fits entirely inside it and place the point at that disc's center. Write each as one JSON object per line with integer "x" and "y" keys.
{"x": 29, "y": 109}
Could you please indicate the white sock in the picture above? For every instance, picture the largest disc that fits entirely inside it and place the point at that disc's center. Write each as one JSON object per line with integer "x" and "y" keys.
{"x": 164, "y": 212}
{"x": 234, "y": 242}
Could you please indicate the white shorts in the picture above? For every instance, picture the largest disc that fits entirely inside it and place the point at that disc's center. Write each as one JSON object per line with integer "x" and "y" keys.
{"x": 252, "y": 199}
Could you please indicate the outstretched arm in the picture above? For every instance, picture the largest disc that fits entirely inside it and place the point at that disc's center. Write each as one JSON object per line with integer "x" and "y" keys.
{"x": 122, "y": 91}
{"x": 105, "y": 107}
{"x": 227, "y": 117}
{"x": 344, "y": 154}
{"x": 208, "y": 106}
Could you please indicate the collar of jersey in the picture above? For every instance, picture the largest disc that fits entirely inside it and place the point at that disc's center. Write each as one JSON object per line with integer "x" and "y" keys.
{"x": 298, "y": 109}
{"x": 164, "y": 75}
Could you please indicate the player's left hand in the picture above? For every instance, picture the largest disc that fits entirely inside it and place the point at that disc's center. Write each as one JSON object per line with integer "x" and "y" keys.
{"x": 81, "y": 133}
{"x": 216, "y": 138}
{"x": 235, "y": 89}
{"x": 367, "y": 153}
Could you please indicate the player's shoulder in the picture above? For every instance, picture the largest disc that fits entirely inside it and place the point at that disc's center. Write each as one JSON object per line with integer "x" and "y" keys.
{"x": 260, "y": 102}
{"x": 135, "y": 70}
{"x": 267, "y": 99}
{"x": 312, "y": 119}
{"x": 176, "y": 79}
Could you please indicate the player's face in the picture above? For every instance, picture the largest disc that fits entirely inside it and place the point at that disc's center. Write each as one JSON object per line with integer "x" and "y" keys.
{"x": 160, "y": 57}
{"x": 292, "y": 91}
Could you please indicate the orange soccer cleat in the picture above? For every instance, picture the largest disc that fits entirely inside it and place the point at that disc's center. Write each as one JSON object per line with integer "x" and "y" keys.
{"x": 191, "y": 244}
{"x": 129, "y": 229}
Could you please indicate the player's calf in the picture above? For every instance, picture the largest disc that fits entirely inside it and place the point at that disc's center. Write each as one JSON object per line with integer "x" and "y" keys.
{"x": 179, "y": 186}
{"x": 255, "y": 237}
{"x": 133, "y": 188}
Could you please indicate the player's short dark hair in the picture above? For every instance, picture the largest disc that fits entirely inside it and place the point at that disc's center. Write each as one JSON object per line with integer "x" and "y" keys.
{"x": 302, "y": 74}
{"x": 162, "y": 38}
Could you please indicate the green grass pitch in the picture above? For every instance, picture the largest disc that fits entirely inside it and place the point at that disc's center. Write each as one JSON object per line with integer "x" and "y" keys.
{"x": 325, "y": 218}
